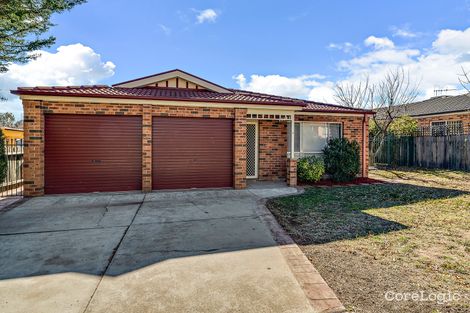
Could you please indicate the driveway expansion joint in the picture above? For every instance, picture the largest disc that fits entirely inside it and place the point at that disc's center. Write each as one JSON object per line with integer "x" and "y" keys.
{"x": 111, "y": 258}
{"x": 61, "y": 230}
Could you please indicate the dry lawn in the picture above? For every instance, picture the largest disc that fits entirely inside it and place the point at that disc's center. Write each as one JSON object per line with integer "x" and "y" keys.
{"x": 409, "y": 235}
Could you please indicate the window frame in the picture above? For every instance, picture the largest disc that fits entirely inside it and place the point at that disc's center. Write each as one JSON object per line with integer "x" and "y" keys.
{"x": 445, "y": 130}
{"x": 301, "y": 123}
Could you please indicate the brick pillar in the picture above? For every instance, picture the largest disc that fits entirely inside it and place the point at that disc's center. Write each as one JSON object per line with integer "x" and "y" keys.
{"x": 33, "y": 165}
{"x": 239, "y": 149}
{"x": 146, "y": 148}
{"x": 291, "y": 172}
{"x": 365, "y": 173}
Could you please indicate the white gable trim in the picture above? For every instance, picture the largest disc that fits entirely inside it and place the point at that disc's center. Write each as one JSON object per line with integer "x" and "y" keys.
{"x": 145, "y": 81}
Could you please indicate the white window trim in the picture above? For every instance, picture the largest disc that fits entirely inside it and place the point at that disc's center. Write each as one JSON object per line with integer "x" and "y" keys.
{"x": 315, "y": 123}
{"x": 446, "y": 124}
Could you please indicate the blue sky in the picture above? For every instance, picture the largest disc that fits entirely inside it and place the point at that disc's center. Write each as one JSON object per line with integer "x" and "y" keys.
{"x": 295, "y": 48}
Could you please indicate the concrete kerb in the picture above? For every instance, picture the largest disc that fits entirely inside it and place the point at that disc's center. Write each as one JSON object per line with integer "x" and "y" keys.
{"x": 321, "y": 297}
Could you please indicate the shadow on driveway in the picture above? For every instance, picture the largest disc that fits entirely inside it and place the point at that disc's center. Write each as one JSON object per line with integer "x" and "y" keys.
{"x": 161, "y": 252}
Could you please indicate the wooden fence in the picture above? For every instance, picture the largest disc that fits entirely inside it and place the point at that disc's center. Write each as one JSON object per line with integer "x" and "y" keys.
{"x": 447, "y": 152}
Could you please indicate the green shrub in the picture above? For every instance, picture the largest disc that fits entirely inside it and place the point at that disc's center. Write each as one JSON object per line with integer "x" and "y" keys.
{"x": 3, "y": 158}
{"x": 310, "y": 169}
{"x": 342, "y": 159}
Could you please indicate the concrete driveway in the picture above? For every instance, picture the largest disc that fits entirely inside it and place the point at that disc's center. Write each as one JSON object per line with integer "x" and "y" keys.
{"x": 193, "y": 251}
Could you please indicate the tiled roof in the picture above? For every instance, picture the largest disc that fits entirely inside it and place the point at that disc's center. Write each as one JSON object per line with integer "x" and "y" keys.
{"x": 313, "y": 106}
{"x": 159, "y": 93}
{"x": 435, "y": 105}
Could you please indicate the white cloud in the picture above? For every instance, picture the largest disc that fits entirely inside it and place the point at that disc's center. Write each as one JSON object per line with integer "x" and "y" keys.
{"x": 453, "y": 41}
{"x": 346, "y": 47}
{"x": 404, "y": 32}
{"x": 207, "y": 15}
{"x": 379, "y": 42}
{"x": 71, "y": 65}
{"x": 435, "y": 67}
{"x": 297, "y": 87}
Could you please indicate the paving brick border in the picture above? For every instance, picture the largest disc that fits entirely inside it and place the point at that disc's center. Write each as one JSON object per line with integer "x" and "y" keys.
{"x": 322, "y": 298}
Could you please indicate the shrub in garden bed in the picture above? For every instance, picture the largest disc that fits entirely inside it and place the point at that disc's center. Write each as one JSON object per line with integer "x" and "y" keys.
{"x": 310, "y": 169}
{"x": 342, "y": 159}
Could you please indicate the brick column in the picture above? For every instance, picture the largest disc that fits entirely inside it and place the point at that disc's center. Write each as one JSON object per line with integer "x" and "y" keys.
{"x": 239, "y": 149}
{"x": 365, "y": 152}
{"x": 291, "y": 172}
{"x": 146, "y": 148}
{"x": 33, "y": 164}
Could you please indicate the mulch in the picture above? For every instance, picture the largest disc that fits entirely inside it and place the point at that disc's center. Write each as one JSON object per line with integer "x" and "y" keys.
{"x": 331, "y": 183}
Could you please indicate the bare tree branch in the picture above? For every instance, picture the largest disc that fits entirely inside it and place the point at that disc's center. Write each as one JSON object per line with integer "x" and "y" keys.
{"x": 354, "y": 95}
{"x": 388, "y": 97}
{"x": 464, "y": 79}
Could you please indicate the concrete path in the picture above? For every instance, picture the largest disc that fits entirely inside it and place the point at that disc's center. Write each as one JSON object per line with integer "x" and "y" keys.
{"x": 194, "y": 251}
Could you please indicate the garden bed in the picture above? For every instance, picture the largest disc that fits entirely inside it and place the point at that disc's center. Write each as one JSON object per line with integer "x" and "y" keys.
{"x": 330, "y": 183}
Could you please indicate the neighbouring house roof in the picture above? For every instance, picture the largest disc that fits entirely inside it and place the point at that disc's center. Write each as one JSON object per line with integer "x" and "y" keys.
{"x": 435, "y": 105}
{"x": 149, "y": 92}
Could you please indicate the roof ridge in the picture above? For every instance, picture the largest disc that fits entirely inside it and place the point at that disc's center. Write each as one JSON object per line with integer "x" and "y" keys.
{"x": 267, "y": 95}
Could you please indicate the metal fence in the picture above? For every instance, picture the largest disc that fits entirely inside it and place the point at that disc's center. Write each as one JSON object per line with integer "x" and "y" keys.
{"x": 13, "y": 183}
{"x": 449, "y": 151}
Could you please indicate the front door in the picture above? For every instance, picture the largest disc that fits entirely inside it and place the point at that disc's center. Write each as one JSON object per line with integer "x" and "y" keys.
{"x": 252, "y": 149}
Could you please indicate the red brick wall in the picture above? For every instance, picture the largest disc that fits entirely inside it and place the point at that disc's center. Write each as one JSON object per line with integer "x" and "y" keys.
{"x": 352, "y": 129}
{"x": 272, "y": 137}
{"x": 34, "y": 130}
{"x": 272, "y": 150}
{"x": 291, "y": 172}
{"x": 239, "y": 149}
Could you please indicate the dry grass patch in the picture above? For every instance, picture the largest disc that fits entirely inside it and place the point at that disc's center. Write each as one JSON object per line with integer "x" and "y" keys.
{"x": 412, "y": 235}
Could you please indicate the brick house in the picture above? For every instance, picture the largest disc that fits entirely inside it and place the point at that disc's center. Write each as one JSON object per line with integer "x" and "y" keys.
{"x": 439, "y": 115}
{"x": 172, "y": 130}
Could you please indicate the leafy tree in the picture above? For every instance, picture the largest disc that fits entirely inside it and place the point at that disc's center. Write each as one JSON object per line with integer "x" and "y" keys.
{"x": 3, "y": 158}
{"x": 7, "y": 120}
{"x": 403, "y": 126}
{"x": 22, "y": 22}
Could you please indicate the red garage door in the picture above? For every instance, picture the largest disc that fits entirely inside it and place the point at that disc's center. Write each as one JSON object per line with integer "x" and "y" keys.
{"x": 86, "y": 153}
{"x": 192, "y": 153}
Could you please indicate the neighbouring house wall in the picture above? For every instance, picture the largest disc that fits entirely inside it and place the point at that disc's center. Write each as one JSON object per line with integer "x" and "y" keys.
{"x": 272, "y": 150}
{"x": 12, "y": 134}
{"x": 352, "y": 127}
{"x": 426, "y": 121}
{"x": 34, "y": 135}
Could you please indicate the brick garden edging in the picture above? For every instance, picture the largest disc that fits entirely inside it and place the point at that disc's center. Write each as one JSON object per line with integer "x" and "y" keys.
{"x": 321, "y": 297}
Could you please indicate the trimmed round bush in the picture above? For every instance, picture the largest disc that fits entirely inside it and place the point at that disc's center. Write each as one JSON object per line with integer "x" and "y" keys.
{"x": 342, "y": 159}
{"x": 310, "y": 169}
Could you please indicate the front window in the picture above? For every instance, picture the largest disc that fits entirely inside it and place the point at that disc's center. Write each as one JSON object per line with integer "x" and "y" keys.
{"x": 311, "y": 137}
{"x": 443, "y": 128}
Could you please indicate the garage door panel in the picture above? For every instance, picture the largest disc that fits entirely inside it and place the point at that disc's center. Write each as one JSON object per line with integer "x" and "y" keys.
{"x": 86, "y": 153}
{"x": 192, "y": 153}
